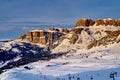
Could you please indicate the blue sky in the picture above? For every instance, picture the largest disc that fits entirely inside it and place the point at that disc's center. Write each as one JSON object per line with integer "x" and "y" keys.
{"x": 31, "y": 12}
{"x": 57, "y": 10}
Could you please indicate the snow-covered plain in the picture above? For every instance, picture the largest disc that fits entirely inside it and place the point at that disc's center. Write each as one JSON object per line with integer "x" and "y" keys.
{"x": 94, "y": 64}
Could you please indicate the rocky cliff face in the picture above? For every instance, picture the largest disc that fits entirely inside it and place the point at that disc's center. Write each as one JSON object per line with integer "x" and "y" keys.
{"x": 85, "y": 34}
{"x": 37, "y": 36}
{"x": 85, "y": 22}
{"x": 90, "y": 22}
{"x": 50, "y": 38}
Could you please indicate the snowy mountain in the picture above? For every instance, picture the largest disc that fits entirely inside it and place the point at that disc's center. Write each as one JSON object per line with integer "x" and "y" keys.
{"x": 90, "y": 51}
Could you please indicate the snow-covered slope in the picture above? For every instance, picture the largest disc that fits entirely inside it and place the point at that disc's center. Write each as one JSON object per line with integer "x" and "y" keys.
{"x": 86, "y": 37}
{"x": 16, "y": 50}
{"x": 95, "y": 64}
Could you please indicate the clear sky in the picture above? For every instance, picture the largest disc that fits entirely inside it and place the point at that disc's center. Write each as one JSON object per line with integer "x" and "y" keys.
{"x": 57, "y": 10}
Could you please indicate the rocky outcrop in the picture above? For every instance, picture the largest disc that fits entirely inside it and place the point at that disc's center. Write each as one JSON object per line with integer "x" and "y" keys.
{"x": 37, "y": 36}
{"x": 107, "y": 22}
{"x": 53, "y": 35}
{"x": 90, "y": 22}
{"x": 99, "y": 22}
{"x": 65, "y": 31}
{"x": 85, "y": 22}
{"x": 22, "y": 37}
{"x": 50, "y": 38}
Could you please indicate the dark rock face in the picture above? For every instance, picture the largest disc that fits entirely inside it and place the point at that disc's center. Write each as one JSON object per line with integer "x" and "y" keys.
{"x": 85, "y": 22}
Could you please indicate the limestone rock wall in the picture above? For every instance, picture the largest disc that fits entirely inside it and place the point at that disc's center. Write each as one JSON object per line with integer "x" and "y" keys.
{"x": 107, "y": 22}
{"x": 46, "y": 38}
{"x": 85, "y": 22}
{"x": 36, "y": 36}
{"x": 90, "y": 22}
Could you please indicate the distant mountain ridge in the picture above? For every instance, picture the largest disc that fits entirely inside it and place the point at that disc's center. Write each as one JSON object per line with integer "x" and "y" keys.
{"x": 85, "y": 33}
